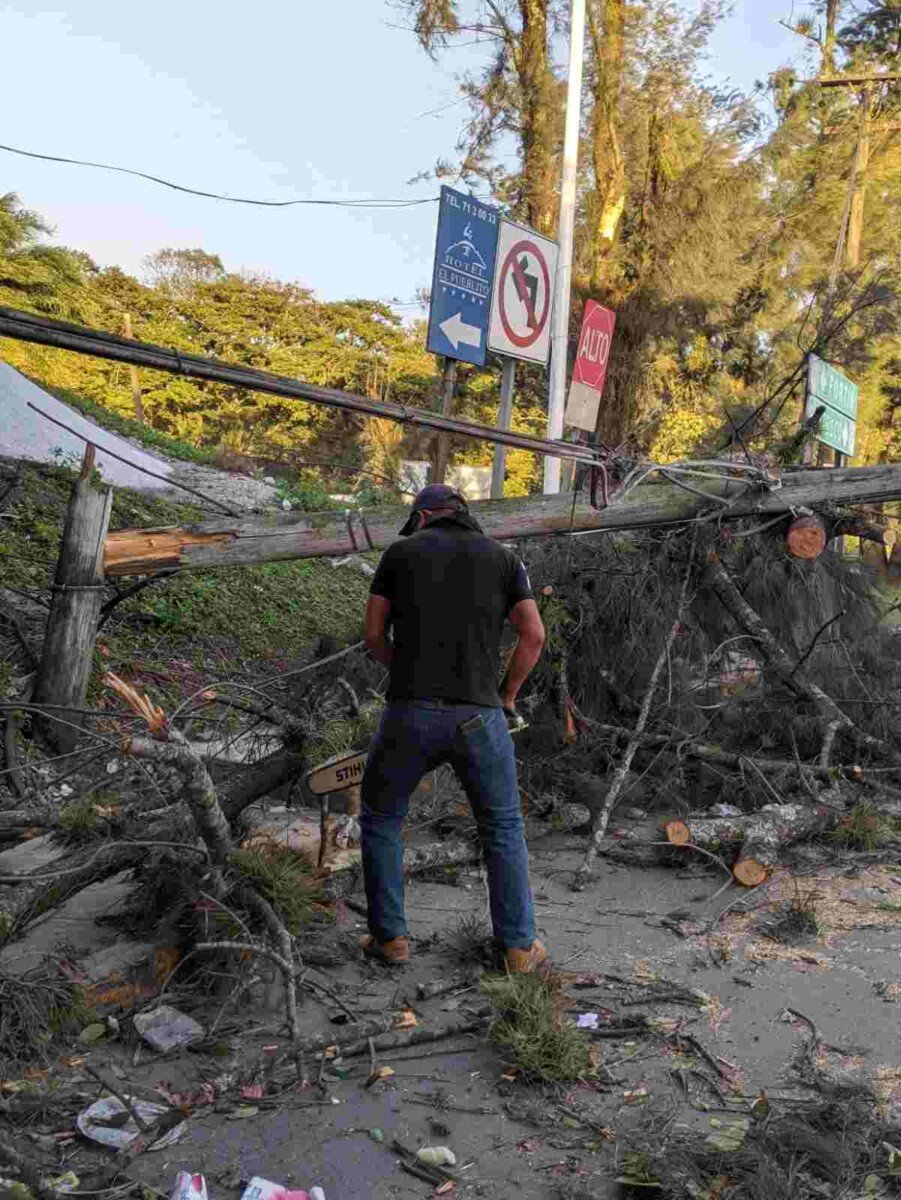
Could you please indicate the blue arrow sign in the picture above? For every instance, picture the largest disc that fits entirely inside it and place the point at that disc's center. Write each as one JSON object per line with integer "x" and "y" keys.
{"x": 465, "y": 251}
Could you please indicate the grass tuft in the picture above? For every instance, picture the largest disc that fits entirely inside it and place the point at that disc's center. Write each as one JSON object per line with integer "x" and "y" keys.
{"x": 533, "y": 1026}
{"x": 864, "y": 828}
{"x": 469, "y": 941}
{"x": 79, "y": 817}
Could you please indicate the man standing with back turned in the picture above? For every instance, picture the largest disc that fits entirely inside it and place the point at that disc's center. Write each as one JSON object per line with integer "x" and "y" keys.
{"x": 444, "y": 593}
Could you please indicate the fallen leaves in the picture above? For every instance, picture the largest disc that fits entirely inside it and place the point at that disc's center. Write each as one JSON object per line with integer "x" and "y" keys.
{"x": 635, "y": 1171}
{"x": 728, "y": 1136}
{"x": 379, "y": 1074}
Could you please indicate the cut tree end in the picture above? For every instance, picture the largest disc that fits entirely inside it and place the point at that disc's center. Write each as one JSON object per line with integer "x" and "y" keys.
{"x": 750, "y": 873}
{"x": 806, "y": 538}
{"x": 677, "y": 833}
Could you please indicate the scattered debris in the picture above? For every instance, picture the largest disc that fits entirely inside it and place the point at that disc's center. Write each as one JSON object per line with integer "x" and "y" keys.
{"x": 110, "y": 1123}
{"x": 166, "y": 1029}
{"x": 189, "y": 1187}
{"x": 437, "y": 1156}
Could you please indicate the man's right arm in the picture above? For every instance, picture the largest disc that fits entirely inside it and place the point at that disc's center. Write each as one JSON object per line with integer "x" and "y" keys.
{"x": 378, "y": 613}
{"x": 526, "y": 620}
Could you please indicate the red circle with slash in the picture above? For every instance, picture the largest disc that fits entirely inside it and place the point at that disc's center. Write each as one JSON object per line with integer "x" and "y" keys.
{"x": 511, "y": 263}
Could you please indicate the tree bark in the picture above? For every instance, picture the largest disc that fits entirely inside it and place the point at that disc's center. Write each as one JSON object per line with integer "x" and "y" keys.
{"x": 606, "y": 25}
{"x": 539, "y": 116}
{"x": 264, "y": 777}
{"x": 77, "y": 595}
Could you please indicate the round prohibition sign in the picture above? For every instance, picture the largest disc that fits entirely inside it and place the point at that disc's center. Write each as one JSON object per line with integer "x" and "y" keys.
{"x": 527, "y": 297}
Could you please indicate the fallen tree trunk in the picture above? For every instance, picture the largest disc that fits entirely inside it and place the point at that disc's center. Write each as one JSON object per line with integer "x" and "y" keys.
{"x": 684, "y": 748}
{"x": 264, "y": 777}
{"x": 759, "y": 837}
{"x": 23, "y": 899}
{"x": 270, "y": 537}
{"x": 419, "y": 858}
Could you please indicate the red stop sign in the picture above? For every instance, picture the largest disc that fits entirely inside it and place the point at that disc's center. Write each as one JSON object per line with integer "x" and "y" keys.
{"x": 594, "y": 346}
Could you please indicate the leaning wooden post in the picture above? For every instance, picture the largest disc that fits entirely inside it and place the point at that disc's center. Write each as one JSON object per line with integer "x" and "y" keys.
{"x": 77, "y": 595}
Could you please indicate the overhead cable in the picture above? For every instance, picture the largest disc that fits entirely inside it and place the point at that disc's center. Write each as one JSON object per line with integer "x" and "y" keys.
{"x": 43, "y": 331}
{"x": 177, "y": 187}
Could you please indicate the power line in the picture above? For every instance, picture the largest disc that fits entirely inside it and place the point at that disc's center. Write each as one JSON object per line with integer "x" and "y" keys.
{"x": 43, "y": 331}
{"x": 177, "y": 187}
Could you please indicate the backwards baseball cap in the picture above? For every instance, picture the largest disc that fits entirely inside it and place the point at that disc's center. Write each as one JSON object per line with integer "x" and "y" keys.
{"x": 433, "y": 498}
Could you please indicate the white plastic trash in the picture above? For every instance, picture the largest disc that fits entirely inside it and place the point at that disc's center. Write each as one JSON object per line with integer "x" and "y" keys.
{"x": 166, "y": 1028}
{"x": 189, "y": 1187}
{"x": 120, "y": 1136}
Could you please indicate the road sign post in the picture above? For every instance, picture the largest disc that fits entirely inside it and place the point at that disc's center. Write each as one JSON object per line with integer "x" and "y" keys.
{"x": 508, "y": 378}
{"x": 465, "y": 250}
{"x": 590, "y": 369}
{"x": 442, "y": 453}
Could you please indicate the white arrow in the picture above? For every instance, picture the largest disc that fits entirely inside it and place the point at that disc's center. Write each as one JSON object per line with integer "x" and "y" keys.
{"x": 456, "y": 331}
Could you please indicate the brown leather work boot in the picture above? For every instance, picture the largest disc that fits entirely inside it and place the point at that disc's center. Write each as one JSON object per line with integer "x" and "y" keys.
{"x": 523, "y": 962}
{"x": 393, "y": 952}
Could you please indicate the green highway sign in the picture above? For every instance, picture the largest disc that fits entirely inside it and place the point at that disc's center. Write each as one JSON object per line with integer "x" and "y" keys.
{"x": 829, "y": 388}
{"x": 835, "y": 428}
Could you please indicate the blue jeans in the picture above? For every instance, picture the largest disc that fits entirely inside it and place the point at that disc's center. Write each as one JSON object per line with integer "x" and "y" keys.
{"x": 414, "y": 737}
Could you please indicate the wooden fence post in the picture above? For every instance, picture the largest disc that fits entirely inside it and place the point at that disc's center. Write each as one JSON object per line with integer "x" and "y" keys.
{"x": 77, "y": 595}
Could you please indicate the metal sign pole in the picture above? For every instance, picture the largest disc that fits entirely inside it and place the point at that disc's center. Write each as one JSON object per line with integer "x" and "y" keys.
{"x": 508, "y": 377}
{"x": 442, "y": 451}
{"x": 560, "y": 317}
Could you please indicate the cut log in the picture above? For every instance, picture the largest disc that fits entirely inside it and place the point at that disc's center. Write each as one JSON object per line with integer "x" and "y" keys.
{"x": 806, "y": 537}
{"x": 758, "y": 837}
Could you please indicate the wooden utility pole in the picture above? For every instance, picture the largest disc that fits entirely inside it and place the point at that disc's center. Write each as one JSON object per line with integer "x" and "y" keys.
{"x": 77, "y": 595}
{"x": 442, "y": 451}
{"x": 858, "y": 185}
{"x": 245, "y": 541}
{"x": 133, "y": 374}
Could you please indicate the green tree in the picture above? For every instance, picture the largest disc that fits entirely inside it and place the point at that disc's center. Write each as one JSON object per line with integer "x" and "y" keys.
{"x": 515, "y": 95}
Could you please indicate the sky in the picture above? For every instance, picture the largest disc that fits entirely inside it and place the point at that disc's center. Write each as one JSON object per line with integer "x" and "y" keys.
{"x": 275, "y": 99}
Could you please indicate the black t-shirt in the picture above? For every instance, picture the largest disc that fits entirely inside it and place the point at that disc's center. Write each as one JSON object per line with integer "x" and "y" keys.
{"x": 450, "y": 590}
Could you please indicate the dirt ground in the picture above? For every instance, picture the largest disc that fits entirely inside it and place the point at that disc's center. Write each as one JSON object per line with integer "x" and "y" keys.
{"x": 637, "y": 943}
